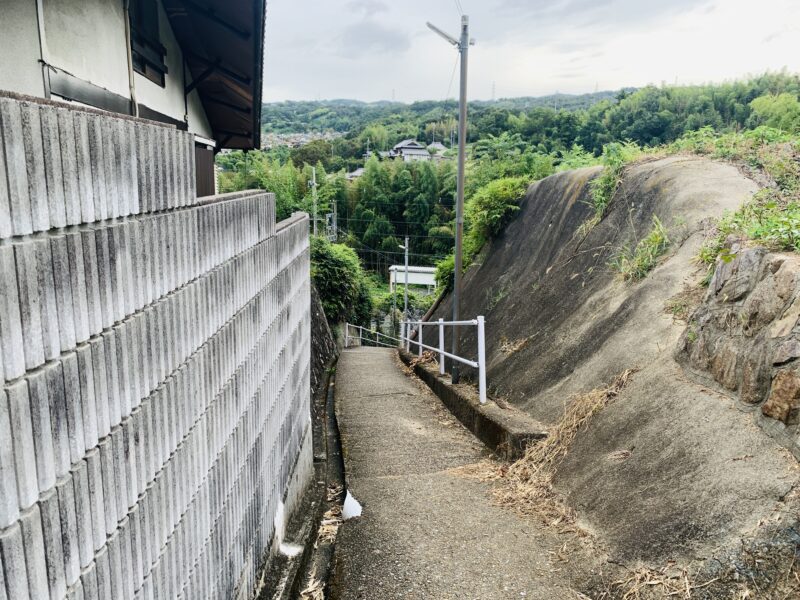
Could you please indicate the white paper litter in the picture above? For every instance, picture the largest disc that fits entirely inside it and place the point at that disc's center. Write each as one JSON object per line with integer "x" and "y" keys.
{"x": 351, "y": 508}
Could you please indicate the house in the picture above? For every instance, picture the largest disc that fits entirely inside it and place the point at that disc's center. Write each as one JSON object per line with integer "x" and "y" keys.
{"x": 196, "y": 64}
{"x": 410, "y": 150}
{"x": 437, "y": 148}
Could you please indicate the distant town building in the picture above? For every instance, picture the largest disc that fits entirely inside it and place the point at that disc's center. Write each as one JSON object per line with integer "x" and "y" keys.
{"x": 296, "y": 140}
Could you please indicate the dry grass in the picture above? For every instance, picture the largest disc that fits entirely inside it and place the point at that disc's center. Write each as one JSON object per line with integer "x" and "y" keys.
{"x": 427, "y": 357}
{"x": 643, "y": 583}
{"x": 511, "y": 346}
{"x": 315, "y": 590}
{"x": 334, "y": 492}
{"x": 527, "y": 485}
{"x": 329, "y": 526}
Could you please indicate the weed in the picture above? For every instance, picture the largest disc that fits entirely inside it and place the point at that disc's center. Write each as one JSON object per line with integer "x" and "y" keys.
{"x": 615, "y": 157}
{"x": 772, "y": 216}
{"x": 635, "y": 264}
{"x": 684, "y": 302}
{"x": 495, "y": 297}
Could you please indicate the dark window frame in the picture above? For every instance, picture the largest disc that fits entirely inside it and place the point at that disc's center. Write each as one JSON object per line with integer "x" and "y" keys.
{"x": 147, "y": 52}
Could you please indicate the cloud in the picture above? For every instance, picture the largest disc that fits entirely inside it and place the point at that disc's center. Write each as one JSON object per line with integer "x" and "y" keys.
{"x": 578, "y": 21}
{"x": 369, "y": 38}
{"x": 368, "y": 8}
{"x": 368, "y": 48}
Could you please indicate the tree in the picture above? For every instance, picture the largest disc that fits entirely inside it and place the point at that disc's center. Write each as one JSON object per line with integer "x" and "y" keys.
{"x": 780, "y": 111}
{"x": 317, "y": 151}
{"x": 339, "y": 279}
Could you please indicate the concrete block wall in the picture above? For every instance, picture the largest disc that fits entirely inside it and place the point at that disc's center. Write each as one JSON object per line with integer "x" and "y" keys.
{"x": 154, "y": 355}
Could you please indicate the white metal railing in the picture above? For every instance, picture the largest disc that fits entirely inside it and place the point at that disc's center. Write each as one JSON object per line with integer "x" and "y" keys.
{"x": 356, "y": 332}
{"x": 419, "y": 327}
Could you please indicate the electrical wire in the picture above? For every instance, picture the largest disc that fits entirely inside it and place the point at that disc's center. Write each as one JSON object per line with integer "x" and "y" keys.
{"x": 387, "y": 253}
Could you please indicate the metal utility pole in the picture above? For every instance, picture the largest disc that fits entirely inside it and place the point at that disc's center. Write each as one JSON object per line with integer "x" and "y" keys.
{"x": 393, "y": 282}
{"x": 405, "y": 293}
{"x": 335, "y": 223}
{"x": 313, "y": 184}
{"x": 463, "y": 45}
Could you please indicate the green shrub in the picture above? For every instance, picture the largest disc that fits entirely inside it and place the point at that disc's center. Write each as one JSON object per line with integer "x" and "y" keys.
{"x": 492, "y": 206}
{"x": 772, "y": 216}
{"x": 487, "y": 212}
{"x": 781, "y": 111}
{"x": 445, "y": 269}
{"x": 615, "y": 157}
{"x": 339, "y": 278}
{"x": 635, "y": 264}
{"x": 417, "y": 303}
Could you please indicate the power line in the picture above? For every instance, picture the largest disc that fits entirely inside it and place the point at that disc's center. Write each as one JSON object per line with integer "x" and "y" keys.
{"x": 387, "y": 253}
{"x": 424, "y": 237}
{"x": 452, "y": 78}
{"x": 394, "y": 222}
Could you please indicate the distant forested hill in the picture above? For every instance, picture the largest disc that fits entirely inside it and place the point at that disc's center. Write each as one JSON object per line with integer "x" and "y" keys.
{"x": 351, "y": 115}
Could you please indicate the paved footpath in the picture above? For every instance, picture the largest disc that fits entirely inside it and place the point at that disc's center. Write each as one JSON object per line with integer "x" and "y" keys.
{"x": 426, "y": 531}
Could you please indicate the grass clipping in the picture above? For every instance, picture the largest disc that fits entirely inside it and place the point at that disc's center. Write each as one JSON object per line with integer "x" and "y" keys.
{"x": 527, "y": 485}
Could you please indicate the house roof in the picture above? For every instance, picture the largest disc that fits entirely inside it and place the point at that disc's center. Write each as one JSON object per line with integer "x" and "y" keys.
{"x": 409, "y": 144}
{"x": 223, "y": 44}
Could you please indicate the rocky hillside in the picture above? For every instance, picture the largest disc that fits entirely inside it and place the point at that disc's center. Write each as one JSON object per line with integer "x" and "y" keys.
{"x": 676, "y": 468}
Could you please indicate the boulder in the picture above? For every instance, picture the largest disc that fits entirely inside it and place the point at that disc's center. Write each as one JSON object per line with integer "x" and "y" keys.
{"x": 735, "y": 279}
{"x": 725, "y": 362}
{"x": 783, "y": 396}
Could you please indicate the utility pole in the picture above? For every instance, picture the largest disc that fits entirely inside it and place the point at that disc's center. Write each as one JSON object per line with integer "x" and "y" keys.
{"x": 335, "y": 223}
{"x": 405, "y": 293}
{"x": 463, "y": 45}
{"x": 393, "y": 282}
{"x": 313, "y": 184}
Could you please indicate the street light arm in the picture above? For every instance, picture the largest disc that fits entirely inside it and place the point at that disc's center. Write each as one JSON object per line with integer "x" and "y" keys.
{"x": 441, "y": 33}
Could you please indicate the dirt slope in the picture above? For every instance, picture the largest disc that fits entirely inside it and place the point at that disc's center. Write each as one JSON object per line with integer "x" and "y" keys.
{"x": 671, "y": 469}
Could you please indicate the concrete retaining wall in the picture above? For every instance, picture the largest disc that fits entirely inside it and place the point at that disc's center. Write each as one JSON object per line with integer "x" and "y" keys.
{"x": 154, "y": 351}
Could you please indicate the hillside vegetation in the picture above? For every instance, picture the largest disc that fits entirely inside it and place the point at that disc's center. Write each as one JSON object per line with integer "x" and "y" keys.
{"x": 512, "y": 143}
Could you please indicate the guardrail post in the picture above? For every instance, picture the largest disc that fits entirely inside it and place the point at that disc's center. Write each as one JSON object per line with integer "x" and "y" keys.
{"x": 377, "y": 341}
{"x": 346, "y": 335}
{"x": 441, "y": 346}
{"x": 360, "y": 331}
{"x": 481, "y": 361}
{"x": 402, "y": 334}
{"x": 408, "y": 336}
{"x": 419, "y": 338}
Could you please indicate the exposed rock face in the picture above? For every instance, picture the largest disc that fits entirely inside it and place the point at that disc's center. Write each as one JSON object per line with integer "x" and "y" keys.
{"x": 746, "y": 335}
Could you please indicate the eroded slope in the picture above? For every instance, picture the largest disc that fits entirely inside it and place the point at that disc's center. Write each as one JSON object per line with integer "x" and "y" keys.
{"x": 672, "y": 469}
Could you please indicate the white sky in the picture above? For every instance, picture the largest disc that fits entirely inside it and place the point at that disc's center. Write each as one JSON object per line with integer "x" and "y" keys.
{"x": 370, "y": 49}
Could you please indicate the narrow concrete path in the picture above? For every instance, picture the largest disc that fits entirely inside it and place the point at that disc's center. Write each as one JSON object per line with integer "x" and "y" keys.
{"x": 426, "y": 531}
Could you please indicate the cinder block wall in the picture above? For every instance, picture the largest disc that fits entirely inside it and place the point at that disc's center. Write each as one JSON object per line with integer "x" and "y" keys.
{"x": 154, "y": 354}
